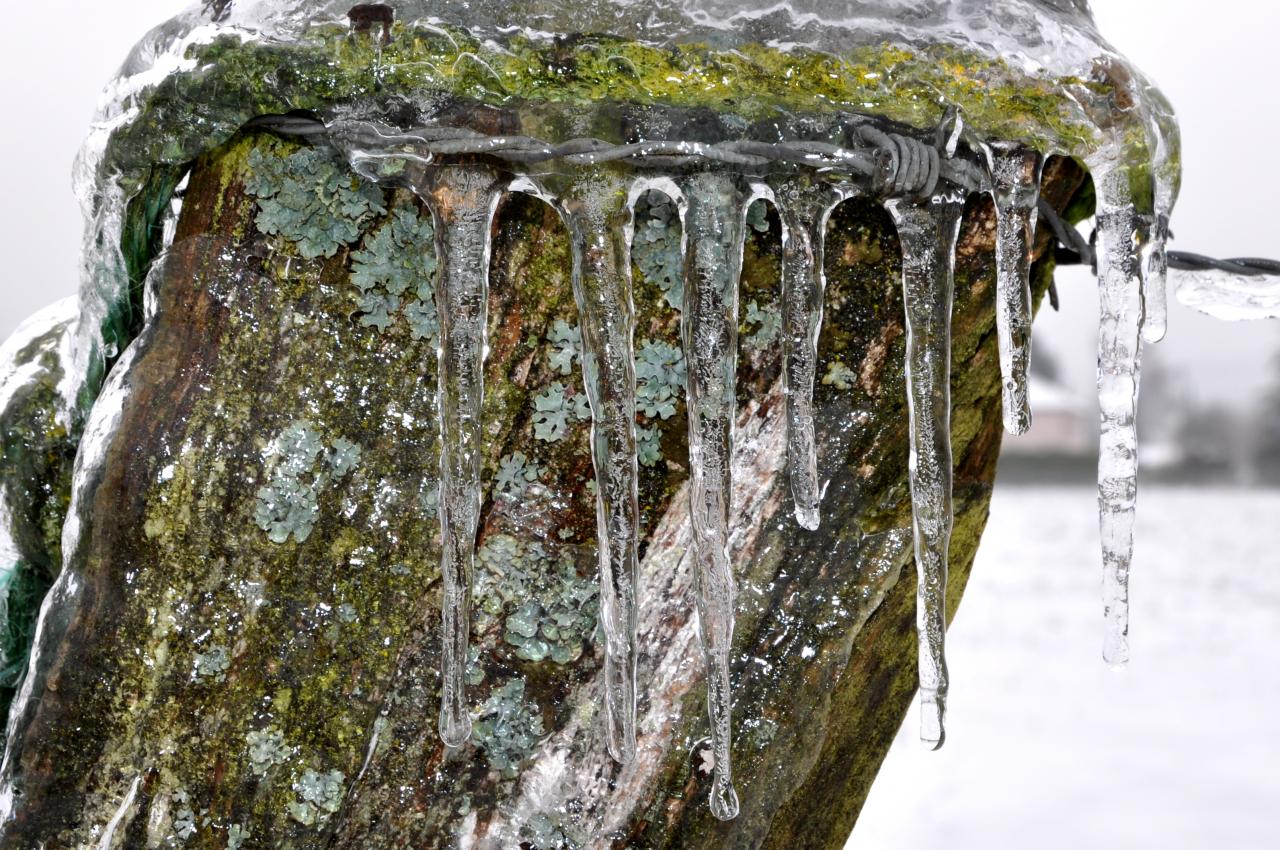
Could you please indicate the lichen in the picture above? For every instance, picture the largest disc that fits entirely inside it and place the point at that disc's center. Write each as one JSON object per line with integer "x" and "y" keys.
{"x": 267, "y": 749}
{"x": 839, "y": 376}
{"x": 310, "y": 199}
{"x": 541, "y": 832}
{"x": 319, "y": 796}
{"x": 555, "y": 410}
{"x": 766, "y": 321}
{"x": 548, "y": 609}
{"x": 566, "y": 347}
{"x": 515, "y": 473}
{"x": 507, "y": 728}
{"x": 648, "y": 446}
{"x": 660, "y": 379}
{"x": 395, "y": 272}
{"x": 656, "y": 248}
{"x": 299, "y": 466}
{"x": 237, "y": 835}
{"x": 213, "y": 664}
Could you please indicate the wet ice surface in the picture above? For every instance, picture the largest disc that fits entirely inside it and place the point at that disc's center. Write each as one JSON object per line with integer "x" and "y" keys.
{"x": 1037, "y": 49}
{"x": 1052, "y": 750}
{"x": 1231, "y": 297}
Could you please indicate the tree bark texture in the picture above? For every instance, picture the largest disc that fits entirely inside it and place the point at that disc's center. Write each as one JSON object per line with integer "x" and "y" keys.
{"x": 202, "y": 685}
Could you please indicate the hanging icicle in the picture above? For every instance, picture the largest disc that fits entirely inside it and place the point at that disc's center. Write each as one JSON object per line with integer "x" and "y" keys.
{"x": 1122, "y": 238}
{"x": 804, "y": 204}
{"x": 597, "y": 212}
{"x": 1015, "y": 178}
{"x": 463, "y": 200}
{"x": 928, "y": 232}
{"x": 715, "y": 225}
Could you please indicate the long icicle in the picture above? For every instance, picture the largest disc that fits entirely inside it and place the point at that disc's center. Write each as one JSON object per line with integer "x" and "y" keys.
{"x": 804, "y": 205}
{"x": 1122, "y": 239}
{"x": 1164, "y": 138}
{"x": 928, "y": 234}
{"x": 597, "y": 213}
{"x": 463, "y": 200}
{"x": 1015, "y": 177}
{"x": 714, "y": 232}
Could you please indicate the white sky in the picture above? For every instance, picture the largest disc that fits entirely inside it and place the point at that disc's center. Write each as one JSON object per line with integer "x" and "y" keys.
{"x": 1215, "y": 61}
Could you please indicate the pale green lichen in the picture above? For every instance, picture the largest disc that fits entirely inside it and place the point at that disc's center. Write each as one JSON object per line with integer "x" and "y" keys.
{"x": 758, "y": 217}
{"x": 319, "y": 796}
{"x": 648, "y": 446}
{"x": 555, "y": 410}
{"x": 515, "y": 473}
{"x": 237, "y": 835}
{"x": 660, "y": 379}
{"x": 267, "y": 749}
{"x": 566, "y": 346}
{"x": 767, "y": 322}
{"x": 311, "y": 200}
{"x": 213, "y": 663}
{"x": 508, "y": 728}
{"x": 656, "y": 248}
{"x": 300, "y": 466}
{"x": 839, "y": 376}
{"x": 550, "y": 610}
{"x": 395, "y": 272}
{"x": 184, "y": 817}
{"x": 541, "y": 832}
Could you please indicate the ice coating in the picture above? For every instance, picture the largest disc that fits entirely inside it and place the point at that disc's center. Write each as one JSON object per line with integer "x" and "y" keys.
{"x": 1123, "y": 237}
{"x": 1033, "y": 79}
{"x": 715, "y": 225}
{"x": 1015, "y": 178}
{"x": 1232, "y": 297}
{"x": 597, "y": 212}
{"x": 805, "y": 205}
{"x": 463, "y": 200}
{"x": 928, "y": 233}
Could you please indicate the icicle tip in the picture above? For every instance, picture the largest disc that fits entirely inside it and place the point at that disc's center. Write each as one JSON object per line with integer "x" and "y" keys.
{"x": 724, "y": 802}
{"x": 933, "y": 709}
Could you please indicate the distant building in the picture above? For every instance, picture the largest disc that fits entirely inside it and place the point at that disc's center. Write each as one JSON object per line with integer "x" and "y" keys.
{"x": 1063, "y": 425}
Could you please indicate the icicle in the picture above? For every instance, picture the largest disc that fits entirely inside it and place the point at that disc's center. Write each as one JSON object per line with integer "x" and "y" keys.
{"x": 597, "y": 213}
{"x": 714, "y": 232}
{"x": 1165, "y": 140}
{"x": 804, "y": 206}
{"x": 1122, "y": 237}
{"x": 463, "y": 200}
{"x": 928, "y": 233}
{"x": 1015, "y": 178}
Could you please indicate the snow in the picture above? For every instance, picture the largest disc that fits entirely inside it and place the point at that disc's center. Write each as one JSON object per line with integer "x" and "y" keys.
{"x": 1052, "y": 750}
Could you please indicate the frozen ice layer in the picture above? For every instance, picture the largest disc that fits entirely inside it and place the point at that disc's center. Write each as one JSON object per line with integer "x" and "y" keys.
{"x": 717, "y": 103}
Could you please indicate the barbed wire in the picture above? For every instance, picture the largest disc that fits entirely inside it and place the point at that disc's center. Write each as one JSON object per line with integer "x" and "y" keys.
{"x": 1077, "y": 250}
{"x": 893, "y": 163}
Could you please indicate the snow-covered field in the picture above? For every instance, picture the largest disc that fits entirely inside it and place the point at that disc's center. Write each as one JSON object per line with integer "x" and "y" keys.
{"x": 1047, "y": 749}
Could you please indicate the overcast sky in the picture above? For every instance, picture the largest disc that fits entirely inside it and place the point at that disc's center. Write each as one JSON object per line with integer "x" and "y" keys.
{"x": 1216, "y": 61}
